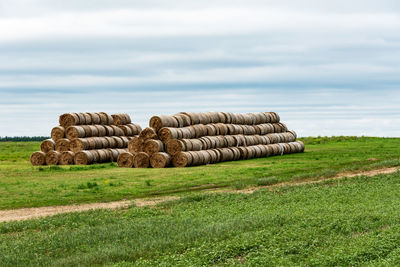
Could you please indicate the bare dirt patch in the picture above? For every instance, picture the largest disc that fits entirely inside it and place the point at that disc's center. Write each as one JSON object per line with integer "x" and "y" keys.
{"x": 30, "y": 213}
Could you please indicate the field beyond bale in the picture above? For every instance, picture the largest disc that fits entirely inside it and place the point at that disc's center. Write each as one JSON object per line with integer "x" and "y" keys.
{"x": 22, "y": 185}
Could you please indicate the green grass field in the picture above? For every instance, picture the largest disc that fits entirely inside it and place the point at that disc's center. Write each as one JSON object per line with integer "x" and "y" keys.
{"x": 22, "y": 185}
{"x": 345, "y": 222}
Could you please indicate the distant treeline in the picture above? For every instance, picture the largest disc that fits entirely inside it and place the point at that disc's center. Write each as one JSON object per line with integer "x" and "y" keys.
{"x": 23, "y": 138}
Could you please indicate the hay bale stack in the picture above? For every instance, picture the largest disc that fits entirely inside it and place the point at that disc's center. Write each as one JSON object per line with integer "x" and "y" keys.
{"x": 104, "y": 136}
{"x": 38, "y": 158}
{"x": 204, "y": 138}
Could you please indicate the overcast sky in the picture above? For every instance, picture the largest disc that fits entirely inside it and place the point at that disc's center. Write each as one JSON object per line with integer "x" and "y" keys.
{"x": 327, "y": 67}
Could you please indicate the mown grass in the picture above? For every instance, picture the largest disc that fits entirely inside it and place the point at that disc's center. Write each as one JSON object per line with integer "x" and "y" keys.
{"x": 22, "y": 185}
{"x": 350, "y": 222}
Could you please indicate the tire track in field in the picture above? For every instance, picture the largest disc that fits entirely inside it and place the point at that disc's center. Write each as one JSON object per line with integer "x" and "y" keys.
{"x": 31, "y": 213}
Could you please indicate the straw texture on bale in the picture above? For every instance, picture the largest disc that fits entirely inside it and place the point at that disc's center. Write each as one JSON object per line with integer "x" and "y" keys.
{"x": 69, "y": 119}
{"x": 141, "y": 160}
{"x": 121, "y": 119}
{"x": 152, "y": 146}
{"x": 57, "y": 133}
{"x": 62, "y": 145}
{"x": 125, "y": 160}
{"x": 160, "y": 160}
{"x": 148, "y": 133}
{"x": 38, "y": 158}
{"x": 53, "y": 157}
{"x": 84, "y": 157}
{"x": 157, "y": 122}
{"x": 47, "y": 145}
{"x": 67, "y": 158}
{"x": 136, "y": 145}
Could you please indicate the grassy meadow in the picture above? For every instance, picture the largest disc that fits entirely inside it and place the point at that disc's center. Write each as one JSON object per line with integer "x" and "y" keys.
{"x": 337, "y": 222}
{"x": 22, "y": 185}
{"x": 349, "y": 222}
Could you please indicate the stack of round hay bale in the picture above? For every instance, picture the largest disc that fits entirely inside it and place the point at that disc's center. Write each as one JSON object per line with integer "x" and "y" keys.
{"x": 189, "y": 139}
{"x": 86, "y": 138}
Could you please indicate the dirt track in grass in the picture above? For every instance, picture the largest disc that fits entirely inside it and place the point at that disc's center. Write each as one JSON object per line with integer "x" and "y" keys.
{"x": 30, "y": 213}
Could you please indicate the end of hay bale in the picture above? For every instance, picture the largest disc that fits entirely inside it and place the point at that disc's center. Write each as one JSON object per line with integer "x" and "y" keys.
{"x": 47, "y": 145}
{"x": 141, "y": 160}
{"x": 152, "y": 146}
{"x": 67, "y": 158}
{"x": 148, "y": 133}
{"x": 53, "y": 158}
{"x": 38, "y": 158}
{"x": 63, "y": 145}
{"x": 182, "y": 159}
{"x": 57, "y": 133}
{"x": 160, "y": 160}
{"x": 125, "y": 160}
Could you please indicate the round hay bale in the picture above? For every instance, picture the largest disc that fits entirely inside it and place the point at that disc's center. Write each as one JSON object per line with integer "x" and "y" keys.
{"x": 264, "y": 151}
{"x": 182, "y": 159}
{"x": 95, "y": 117}
{"x": 85, "y": 118}
{"x": 125, "y": 140}
{"x": 301, "y": 145}
{"x": 47, "y": 145}
{"x": 166, "y": 134}
{"x": 227, "y": 154}
{"x": 101, "y": 130}
{"x": 135, "y": 128}
{"x": 68, "y": 119}
{"x": 152, "y": 146}
{"x": 141, "y": 160}
{"x": 109, "y": 130}
{"x": 207, "y": 144}
{"x": 200, "y": 130}
{"x": 94, "y": 131}
{"x": 213, "y": 156}
{"x": 211, "y": 130}
{"x": 75, "y": 132}
{"x": 83, "y": 158}
{"x": 236, "y": 153}
{"x": 160, "y": 160}
{"x": 111, "y": 142}
{"x": 57, "y": 133}
{"x": 78, "y": 144}
{"x": 158, "y": 122}
{"x": 121, "y": 119}
{"x": 221, "y": 117}
{"x": 196, "y": 144}
{"x": 186, "y": 133}
{"x": 212, "y": 141}
{"x": 293, "y": 133}
{"x": 194, "y": 117}
{"x": 113, "y": 154}
{"x": 135, "y": 145}
{"x": 62, "y": 145}
{"x": 243, "y": 152}
{"x": 38, "y": 158}
{"x": 188, "y": 144}
{"x": 148, "y": 133}
{"x": 82, "y": 118}
{"x": 88, "y": 131}
{"x": 183, "y": 119}
{"x": 53, "y": 157}
{"x": 67, "y": 158}
{"x": 196, "y": 158}
{"x": 125, "y": 160}
{"x": 103, "y": 118}
{"x": 104, "y": 156}
{"x": 119, "y": 141}
{"x": 106, "y": 118}
{"x": 174, "y": 146}
{"x": 206, "y": 158}
{"x": 116, "y": 131}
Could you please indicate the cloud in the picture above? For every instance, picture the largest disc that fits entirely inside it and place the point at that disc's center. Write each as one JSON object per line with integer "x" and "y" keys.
{"x": 334, "y": 63}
